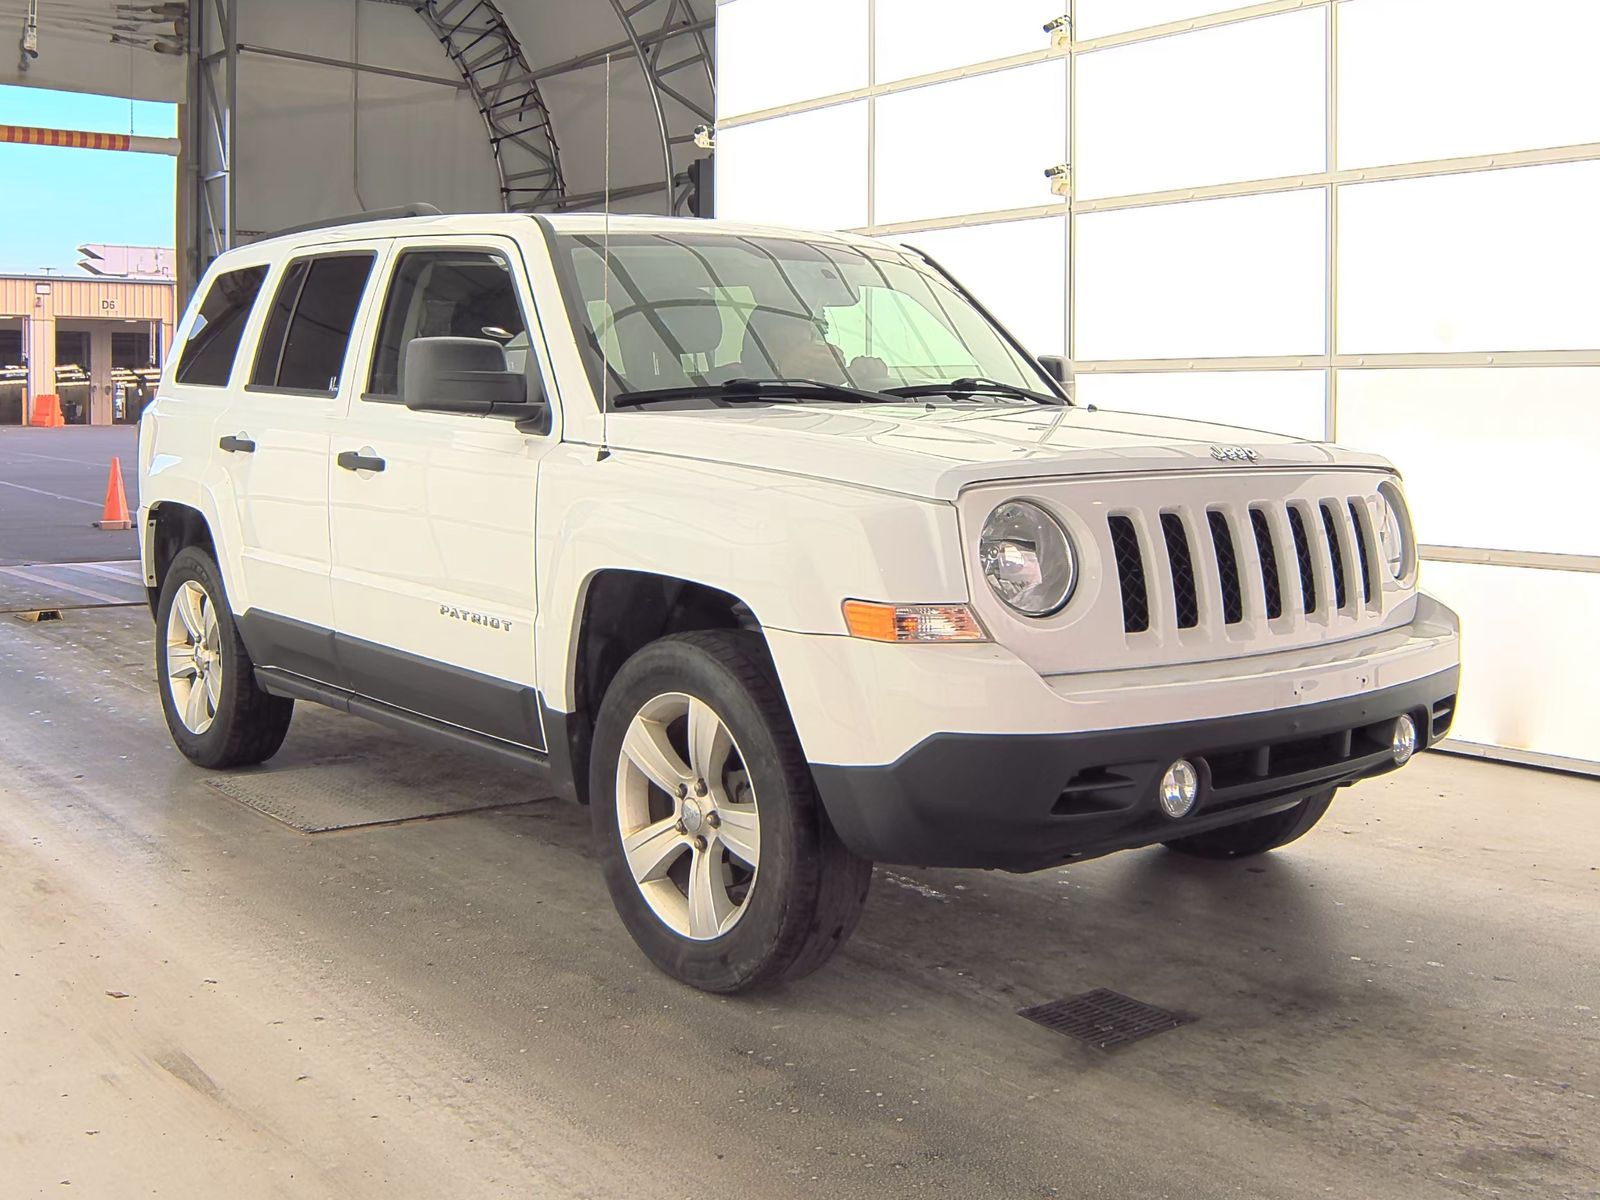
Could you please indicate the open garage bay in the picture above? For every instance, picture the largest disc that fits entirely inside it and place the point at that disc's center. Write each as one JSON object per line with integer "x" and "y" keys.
{"x": 200, "y": 1000}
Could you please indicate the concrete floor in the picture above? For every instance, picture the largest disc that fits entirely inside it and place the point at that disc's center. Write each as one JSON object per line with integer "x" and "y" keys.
{"x": 198, "y": 1001}
{"x": 52, "y": 490}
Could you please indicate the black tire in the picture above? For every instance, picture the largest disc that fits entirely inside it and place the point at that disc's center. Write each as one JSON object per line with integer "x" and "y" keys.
{"x": 1259, "y": 835}
{"x": 250, "y": 724}
{"x": 808, "y": 890}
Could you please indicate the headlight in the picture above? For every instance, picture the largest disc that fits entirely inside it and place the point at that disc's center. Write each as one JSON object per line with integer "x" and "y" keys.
{"x": 1394, "y": 531}
{"x": 1027, "y": 559}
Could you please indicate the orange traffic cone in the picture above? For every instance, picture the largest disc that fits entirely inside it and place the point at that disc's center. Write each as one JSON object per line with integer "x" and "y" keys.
{"x": 115, "y": 514}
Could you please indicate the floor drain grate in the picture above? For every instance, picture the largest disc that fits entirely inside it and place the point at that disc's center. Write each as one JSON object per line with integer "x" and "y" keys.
{"x": 1103, "y": 1018}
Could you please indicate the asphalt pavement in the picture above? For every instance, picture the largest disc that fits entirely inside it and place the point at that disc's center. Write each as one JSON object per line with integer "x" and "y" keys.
{"x": 53, "y": 487}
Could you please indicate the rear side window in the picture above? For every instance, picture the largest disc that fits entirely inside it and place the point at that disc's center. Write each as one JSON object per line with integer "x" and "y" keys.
{"x": 303, "y": 347}
{"x": 446, "y": 293}
{"x": 208, "y": 355}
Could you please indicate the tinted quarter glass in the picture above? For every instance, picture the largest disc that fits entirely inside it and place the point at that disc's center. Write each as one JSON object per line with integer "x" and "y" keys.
{"x": 319, "y": 331}
{"x": 270, "y": 352}
{"x": 446, "y": 293}
{"x": 214, "y": 339}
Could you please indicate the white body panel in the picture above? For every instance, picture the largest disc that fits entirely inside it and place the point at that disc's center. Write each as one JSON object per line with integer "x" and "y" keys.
{"x": 789, "y": 509}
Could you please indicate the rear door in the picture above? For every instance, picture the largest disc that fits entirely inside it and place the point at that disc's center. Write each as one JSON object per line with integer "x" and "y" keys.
{"x": 432, "y": 513}
{"x": 276, "y": 439}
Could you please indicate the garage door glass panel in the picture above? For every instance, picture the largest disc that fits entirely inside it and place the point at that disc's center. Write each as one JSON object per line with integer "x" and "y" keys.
{"x": 1426, "y": 79}
{"x": 808, "y": 170}
{"x": 446, "y": 293}
{"x": 918, "y": 37}
{"x": 1096, "y": 18}
{"x": 1292, "y": 402}
{"x": 975, "y": 145}
{"x": 1524, "y": 634}
{"x": 1017, "y": 270}
{"x": 774, "y": 52}
{"x": 1218, "y": 277}
{"x": 214, "y": 338}
{"x": 1542, "y": 457}
{"x": 1245, "y": 101}
{"x": 1494, "y": 260}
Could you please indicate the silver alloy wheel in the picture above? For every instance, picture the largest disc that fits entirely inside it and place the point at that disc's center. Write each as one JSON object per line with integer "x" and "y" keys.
{"x": 686, "y": 809}
{"x": 194, "y": 657}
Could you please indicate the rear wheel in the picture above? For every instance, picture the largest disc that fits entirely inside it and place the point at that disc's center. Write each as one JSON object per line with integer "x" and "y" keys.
{"x": 717, "y": 852}
{"x": 217, "y": 713}
{"x": 1258, "y": 835}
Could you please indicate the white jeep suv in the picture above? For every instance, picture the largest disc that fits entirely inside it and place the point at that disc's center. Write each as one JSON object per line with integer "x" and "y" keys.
{"x": 776, "y": 550}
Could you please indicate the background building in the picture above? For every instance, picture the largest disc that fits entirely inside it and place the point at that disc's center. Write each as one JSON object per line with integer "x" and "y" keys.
{"x": 83, "y": 340}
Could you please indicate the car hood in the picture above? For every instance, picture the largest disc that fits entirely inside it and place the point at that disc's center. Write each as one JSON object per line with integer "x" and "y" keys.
{"x": 935, "y": 452}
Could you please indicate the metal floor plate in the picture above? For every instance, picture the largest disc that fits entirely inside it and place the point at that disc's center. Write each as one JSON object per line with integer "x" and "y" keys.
{"x": 1103, "y": 1018}
{"x": 354, "y": 792}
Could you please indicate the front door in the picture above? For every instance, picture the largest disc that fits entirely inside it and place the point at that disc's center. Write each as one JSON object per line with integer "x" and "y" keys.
{"x": 432, "y": 513}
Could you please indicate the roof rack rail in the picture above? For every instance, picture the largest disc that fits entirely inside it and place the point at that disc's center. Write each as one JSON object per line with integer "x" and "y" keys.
{"x": 418, "y": 209}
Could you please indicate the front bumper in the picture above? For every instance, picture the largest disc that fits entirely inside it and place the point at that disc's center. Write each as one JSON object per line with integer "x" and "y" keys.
{"x": 1023, "y": 802}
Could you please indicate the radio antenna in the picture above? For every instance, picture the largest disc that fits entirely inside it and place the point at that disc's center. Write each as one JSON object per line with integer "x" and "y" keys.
{"x": 605, "y": 288}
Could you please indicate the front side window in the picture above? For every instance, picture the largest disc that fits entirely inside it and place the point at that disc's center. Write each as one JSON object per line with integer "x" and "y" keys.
{"x": 680, "y": 310}
{"x": 446, "y": 293}
{"x": 303, "y": 346}
{"x": 213, "y": 341}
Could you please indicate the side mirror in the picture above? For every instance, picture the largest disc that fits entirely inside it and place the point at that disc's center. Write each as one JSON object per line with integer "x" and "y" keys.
{"x": 466, "y": 375}
{"x": 1054, "y": 366}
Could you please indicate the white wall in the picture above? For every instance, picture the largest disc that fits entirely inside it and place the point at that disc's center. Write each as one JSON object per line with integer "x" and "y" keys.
{"x": 1278, "y": 222}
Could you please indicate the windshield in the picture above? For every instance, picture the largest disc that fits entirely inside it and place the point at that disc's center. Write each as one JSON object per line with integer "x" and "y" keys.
{"x": 683, "y": 310}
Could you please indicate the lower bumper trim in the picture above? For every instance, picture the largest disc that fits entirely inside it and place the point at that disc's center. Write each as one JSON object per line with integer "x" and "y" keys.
{"x": 1025, "y": 802}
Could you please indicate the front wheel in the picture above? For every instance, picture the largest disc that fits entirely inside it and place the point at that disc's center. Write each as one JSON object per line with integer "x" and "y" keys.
{"x": 717, "y": 852}
{"x": 1258, "y": 835}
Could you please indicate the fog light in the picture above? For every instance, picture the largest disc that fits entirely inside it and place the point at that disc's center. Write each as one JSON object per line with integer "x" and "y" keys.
{"x": 1404, "y": 743}
{"x": 1180, "y": 787}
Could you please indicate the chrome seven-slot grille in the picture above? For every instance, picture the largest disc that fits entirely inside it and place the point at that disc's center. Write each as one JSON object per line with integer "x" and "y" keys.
{"x": 1296, "y": 543}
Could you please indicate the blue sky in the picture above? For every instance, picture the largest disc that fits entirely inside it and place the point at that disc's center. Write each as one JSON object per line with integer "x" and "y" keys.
{"x": 52, "y": 200}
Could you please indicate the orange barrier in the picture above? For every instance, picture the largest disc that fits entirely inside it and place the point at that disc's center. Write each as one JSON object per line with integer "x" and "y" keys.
{"x": 115, "y": 514}
{"x": 47, "y": 411}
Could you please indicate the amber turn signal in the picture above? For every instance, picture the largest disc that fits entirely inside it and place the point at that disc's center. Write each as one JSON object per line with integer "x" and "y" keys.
{"x": 912, "y": 622}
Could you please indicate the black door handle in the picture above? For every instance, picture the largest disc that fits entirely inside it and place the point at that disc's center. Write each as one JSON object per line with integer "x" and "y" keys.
{"x": 354, "y": 460}
{"x": 237, "y": 445}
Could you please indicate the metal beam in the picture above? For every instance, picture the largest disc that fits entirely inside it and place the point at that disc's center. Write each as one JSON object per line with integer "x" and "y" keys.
{"x": 346, "y": 64}
{"x": 1541, "y": 560}
{"x": 1347, "y": 177}
{"x": 1422, "y": 360}
{"x": 650, "y": 26}
{"x": 483, "y": 48}
{"x": 589, "y": 199}
{"x": 595, "y": 57}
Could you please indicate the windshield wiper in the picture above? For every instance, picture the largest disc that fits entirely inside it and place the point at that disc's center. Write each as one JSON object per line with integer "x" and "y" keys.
{"x": 748, "y": 391}
{"x": 970, "y": 386}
